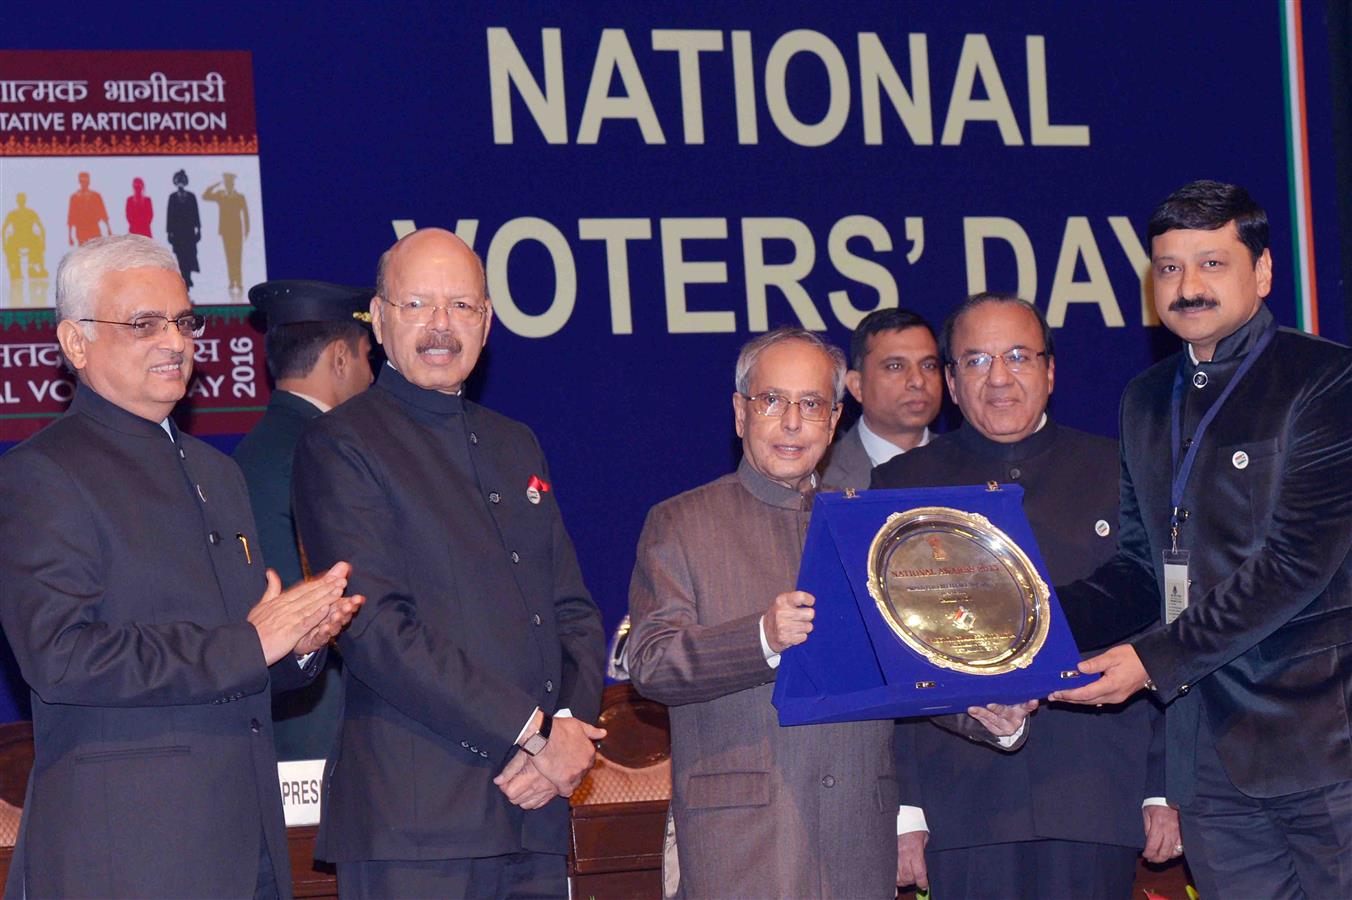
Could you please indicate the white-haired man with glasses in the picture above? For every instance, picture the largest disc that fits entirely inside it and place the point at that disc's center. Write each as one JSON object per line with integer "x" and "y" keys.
{"x": 130, "y": 586}
{"x": 760, "y": 810}
{"x": 471, "y": 676}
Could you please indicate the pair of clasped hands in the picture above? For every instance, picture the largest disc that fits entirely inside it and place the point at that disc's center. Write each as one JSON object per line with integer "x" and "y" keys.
{"x": 532, "y": 781}
{"x": 304, "y": 617}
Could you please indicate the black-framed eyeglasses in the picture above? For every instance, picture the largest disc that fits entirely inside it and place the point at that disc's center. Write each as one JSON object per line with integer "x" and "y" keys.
{"x": 420, "y": 312}
{"x": 191, "y": 325}
{"x": 1015, "y": 360}
{"x": 812, "y": 409}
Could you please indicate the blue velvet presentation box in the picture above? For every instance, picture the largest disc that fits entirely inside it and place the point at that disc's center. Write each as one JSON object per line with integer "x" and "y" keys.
{"x": 853, "y": 666}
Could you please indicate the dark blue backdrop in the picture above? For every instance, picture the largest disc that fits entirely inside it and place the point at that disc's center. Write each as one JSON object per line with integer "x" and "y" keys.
{"x": 369, "y": 113}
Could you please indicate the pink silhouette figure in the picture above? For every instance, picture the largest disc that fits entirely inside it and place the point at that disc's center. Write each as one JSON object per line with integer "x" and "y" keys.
{"x": 139, "y": 209}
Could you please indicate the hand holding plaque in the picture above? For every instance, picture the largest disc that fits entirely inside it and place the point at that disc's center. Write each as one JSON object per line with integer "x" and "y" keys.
{"x": 788, "y": 621}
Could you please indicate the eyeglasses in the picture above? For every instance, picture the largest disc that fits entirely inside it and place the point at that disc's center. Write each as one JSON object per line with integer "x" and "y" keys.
{"x": 191, "y": 325}
{"x": 812, "y": 409}
{"x": 1016, "y": 361}
{"x": 420, "y": 312}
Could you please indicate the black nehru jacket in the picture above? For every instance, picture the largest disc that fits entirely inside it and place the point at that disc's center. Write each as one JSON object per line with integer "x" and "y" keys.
{"x": 124, "y": 587}
{"x": 1083, "y": 773}
{"x": 476, "y": 614}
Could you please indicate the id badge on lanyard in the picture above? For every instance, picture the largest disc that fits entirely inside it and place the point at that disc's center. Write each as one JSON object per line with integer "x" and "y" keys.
{"x": 1176, "y": 583}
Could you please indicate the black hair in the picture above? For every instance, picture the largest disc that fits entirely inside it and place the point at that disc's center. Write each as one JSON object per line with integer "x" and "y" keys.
{"x": 1207, "y": 206}
{"x": 889, "y": 319}
{"x": 294, "y": 349}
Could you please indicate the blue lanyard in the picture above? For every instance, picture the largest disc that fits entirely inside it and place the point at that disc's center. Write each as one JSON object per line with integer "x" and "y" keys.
{"x": 1181, "y": 472}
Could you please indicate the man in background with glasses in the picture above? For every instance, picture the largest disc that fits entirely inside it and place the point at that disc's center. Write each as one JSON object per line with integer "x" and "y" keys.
{"x": 761, "y": 810}
{"x": 1064, "y": 817}
{"x": 130, "y": 585}
{"x": 480, "y": 643}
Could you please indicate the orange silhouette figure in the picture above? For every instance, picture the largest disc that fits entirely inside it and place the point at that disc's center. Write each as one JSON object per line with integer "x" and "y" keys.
{"x": 139, "y": 209}
{"x": 86, "y": 212}
{"x": 233, "y": 225}
{"x": 23, "y": 231}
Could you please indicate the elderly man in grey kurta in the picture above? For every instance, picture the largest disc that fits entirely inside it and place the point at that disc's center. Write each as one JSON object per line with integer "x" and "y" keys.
{"x": 760, "y": 810}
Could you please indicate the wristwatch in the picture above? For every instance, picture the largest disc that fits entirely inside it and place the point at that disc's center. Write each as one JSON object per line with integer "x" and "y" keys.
{"x": 536, "y": 742}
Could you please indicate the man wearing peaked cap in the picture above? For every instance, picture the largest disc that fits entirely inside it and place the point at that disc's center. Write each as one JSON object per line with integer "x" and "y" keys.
{"x": 318, "y": 350}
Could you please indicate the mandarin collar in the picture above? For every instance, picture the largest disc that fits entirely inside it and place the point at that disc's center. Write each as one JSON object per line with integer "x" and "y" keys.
{"x": 88, "y": 402}
{"x": 1238, "y": 344}
{"x": 1038, "y": 442}
{"x": 771, "y": 492}
{"x": 434, "y": 402}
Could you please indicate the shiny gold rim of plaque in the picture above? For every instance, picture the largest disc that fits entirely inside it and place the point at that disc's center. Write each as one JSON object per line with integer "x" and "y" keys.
{"x": 979, "y": 529}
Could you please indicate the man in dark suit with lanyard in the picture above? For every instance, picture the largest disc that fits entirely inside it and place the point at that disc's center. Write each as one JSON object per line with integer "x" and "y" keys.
{"x": 129, "y": 590}
{"x": 469, "y": 684}
{"x": 1237, "y": 522}
{"x": 318, "y": 349}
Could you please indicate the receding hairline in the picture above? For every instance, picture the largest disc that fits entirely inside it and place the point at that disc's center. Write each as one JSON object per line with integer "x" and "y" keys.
{"x": 390, "y": 258}
{"x": 821, "y": 349}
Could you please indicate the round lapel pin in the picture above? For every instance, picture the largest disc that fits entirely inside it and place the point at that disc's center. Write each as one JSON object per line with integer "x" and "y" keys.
{"x": 1240, "y": 459}
{"x": 1102, "y": 528}
{"x": 533, "y": 495}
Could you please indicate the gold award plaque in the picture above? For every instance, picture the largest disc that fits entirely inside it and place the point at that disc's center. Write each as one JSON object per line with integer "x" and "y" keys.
{"x": 958, "y": 591}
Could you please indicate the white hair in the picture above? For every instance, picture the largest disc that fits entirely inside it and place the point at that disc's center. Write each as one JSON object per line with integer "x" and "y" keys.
{"x": 751, "y": 351}
{"x": 78, "y": 276}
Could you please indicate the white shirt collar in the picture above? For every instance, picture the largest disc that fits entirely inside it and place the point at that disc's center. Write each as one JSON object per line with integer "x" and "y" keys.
{"x": 880, "y": 449}
{"x": 1193, "y": 356}
{"x": 164, "y": 423}
{"x": 318, "y": 404}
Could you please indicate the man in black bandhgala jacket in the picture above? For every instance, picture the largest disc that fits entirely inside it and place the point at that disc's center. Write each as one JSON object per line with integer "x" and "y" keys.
{"x": 471, "y": 674}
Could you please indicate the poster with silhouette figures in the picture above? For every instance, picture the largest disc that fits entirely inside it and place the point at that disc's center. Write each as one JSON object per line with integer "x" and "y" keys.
{"x": 160, "y": 144}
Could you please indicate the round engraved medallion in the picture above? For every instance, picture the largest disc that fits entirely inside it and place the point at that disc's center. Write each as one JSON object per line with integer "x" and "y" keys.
{"x": 958, "y": 591}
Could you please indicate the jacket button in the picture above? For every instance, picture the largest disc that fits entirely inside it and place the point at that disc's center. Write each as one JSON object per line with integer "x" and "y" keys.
{"x": 473, "y": 749}
{"x": 1183, "y": 688}
{"x": 549, "y": 687}
{"x": 214, "y": 537}
{"x": 255, "y": 726}
{"x": 828, "y": 781}
{"x": 473, "y": 438}
{"x": 535, "y": 619}
{"x": 494, "y": 497}
{"x": 516, "y": 557}
{"x": 484, "y": 754}
{"x": 1014, "y": 472}
{"x": 181, "y": 454}
{"x": 465, "y": 744}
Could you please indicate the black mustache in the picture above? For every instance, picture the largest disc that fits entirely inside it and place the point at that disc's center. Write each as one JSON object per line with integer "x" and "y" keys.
{"x": 440, "y": 340}
{"x": 1192, "y": 303}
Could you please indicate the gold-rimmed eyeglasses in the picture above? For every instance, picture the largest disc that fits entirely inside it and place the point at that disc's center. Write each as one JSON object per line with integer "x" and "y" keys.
{"x": 420, "y": 312}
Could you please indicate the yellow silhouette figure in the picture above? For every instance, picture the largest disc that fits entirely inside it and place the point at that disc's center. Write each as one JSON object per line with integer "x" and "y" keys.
{"x": 233, "y": 225}
{"x": 23, "y": 231}
{"x": 85, "y": 214}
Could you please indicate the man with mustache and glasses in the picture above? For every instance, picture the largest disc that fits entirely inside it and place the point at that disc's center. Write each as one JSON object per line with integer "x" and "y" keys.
{"x": 1051, "y": 820}
{"x": 130, "y": 585}
{"x": 469, "y": 682}
{"x": 1236, "y": 492}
